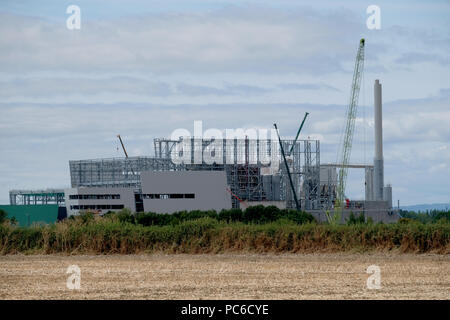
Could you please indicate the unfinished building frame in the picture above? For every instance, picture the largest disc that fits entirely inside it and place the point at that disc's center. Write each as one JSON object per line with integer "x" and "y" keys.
{"x": 250, "y": 176}
{"x": 36, "y": 197}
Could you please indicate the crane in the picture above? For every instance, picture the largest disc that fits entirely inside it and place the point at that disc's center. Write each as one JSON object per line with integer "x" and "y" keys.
{"x": 347, "y": 138}
{"x": 297, "y": 204}
{"x": 298, "y": 133}
{"x": 125, "y": 151}
{"x": 123, "y": 146}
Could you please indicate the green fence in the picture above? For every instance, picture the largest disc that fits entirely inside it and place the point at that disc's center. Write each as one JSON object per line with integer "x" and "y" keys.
{"x": 27, "y": 215}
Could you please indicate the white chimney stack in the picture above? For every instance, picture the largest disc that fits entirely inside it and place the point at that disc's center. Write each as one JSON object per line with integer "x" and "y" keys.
{"x": 378, "y": 179}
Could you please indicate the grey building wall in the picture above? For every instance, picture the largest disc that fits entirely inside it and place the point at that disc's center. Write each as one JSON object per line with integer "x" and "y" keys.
{"x": 369, "y": 184}
{"x": 387, "y": 195}
{"x": 126, "y": 198}
{"x": 209, "y": 188}
{"x": 327, "y": 175}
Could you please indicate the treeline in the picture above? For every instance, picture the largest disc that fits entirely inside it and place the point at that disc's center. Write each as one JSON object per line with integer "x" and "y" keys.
{"x": 431, "y": 216}
{"x": 256, "y": 214}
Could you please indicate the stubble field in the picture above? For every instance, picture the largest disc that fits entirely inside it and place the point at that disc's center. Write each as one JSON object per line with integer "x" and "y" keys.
{"x": 226, "y": 276}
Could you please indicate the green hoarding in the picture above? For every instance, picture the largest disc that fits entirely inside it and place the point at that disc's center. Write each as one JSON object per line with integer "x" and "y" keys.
{"x": 26, "y": 215}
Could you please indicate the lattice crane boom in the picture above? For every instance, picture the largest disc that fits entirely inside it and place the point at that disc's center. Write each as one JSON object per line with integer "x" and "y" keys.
{"x": 347, "y": 139}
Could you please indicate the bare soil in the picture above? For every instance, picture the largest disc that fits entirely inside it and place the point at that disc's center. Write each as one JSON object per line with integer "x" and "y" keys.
{"x": 227, "y": 276}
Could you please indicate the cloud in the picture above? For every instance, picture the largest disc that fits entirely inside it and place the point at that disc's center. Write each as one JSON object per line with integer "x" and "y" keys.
{"x": 421, "y": 37}
{"x": 240, "y": 89}
{"x": 307, "y": 86}
{"x": 418, "y": 57}
{"x": 57, "y": 86}
{"x": 250, "y": 39}
{"x": 117, "y": 88}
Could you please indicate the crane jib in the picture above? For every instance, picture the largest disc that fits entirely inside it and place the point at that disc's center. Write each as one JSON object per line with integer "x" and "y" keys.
{"x": 346, "y": 143}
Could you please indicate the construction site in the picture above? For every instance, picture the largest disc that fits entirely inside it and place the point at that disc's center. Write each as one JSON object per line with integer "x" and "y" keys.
{"x": 286, "y": 173}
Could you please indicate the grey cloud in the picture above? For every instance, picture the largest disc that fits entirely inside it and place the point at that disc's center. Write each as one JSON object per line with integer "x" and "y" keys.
{"x": 220, "y": 41}
{"x": 243, "y": 89}
{"x": 197, "y": 90}
{"x": 307, "y": 86}
{"x": 376, "y": 69}
{"x": 48, "y": 87}
{"x": 419, "y": 57}
{"x": 430, "y": 38}
{"x": 444, "y": 93}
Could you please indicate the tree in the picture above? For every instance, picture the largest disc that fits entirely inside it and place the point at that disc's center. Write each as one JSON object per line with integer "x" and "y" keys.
{"x": 3, "y": 215}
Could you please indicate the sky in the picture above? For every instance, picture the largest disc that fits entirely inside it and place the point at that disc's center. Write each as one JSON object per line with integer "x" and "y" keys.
{"x": 146, "y": 68}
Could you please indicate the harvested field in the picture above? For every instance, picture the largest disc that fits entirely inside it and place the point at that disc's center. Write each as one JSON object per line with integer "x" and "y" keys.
{"x": 226, "y": 276}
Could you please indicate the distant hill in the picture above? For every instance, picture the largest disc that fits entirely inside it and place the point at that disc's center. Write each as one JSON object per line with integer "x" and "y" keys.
{"x": 425, "y": 207}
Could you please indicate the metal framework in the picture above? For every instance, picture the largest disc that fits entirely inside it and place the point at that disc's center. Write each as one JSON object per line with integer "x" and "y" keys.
{"x": 254, "y": 167}
{"x": 329, "y": 181}
{"x": 347, "y": 138}
{"x": 36, "y": 197}
{"x": 116, "y": 172}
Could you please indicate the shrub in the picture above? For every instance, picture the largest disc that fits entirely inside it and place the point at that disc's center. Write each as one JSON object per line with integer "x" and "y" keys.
{"x": 85, "y": 217}
{"x": 2, "y": 216}
{"x": 300, "y": 217}
{"x": 441, "y": 215}
{"x": 231, "y": 215}
{"x": 352, "y": 219}
{"x": 255, "y": 214}
{"x": 426, "y": 217}
{"x": 261, "y": 214}
{"x": 405, "y": 221}
{"x": 193, "y": 215}
{"x": 125, "y": 215}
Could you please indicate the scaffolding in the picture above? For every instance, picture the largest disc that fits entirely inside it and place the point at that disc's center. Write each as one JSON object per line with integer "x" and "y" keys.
{"x": 37, "y": 197}
{"x": 115, "y": 172}
{"x": 254, "y": 167}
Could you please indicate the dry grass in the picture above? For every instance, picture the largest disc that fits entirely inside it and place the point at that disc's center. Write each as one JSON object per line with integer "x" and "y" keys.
{"x": 207, "y": 235}
{"x": 227, "y": 276}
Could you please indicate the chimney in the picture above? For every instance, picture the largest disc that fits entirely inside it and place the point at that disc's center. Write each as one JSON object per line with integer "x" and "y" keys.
{"x": 378, "y": 174}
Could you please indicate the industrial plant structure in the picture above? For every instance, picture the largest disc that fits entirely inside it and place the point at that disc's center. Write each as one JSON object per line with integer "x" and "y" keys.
{"x": 242, "y": 179}
{"x": 191, "y": 173}
{"x": 249, "y": 179}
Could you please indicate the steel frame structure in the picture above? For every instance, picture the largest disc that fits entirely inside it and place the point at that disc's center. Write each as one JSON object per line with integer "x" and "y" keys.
{"x": 244, "y": 160}
{"x": 37, "y": 197}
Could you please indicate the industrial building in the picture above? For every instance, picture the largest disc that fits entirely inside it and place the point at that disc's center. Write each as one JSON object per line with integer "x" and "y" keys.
{"x": 214, "y": 186}
{"x": 197, "y": 173}
{"x": 244, "y": 178}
